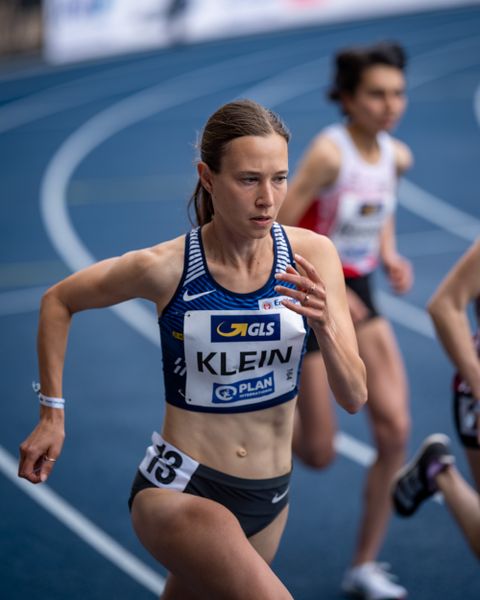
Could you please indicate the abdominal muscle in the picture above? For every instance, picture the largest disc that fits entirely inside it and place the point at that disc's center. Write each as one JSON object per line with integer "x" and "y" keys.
{"x": 253, "y": 445}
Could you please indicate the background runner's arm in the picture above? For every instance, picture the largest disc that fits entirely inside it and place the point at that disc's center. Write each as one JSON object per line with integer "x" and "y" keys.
{"x": 448, "y": 309}
{"x": 397, "y": 267}
{"x": 318, "y": 168}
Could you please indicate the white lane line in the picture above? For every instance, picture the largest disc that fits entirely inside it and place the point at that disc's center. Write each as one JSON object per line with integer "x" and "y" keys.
{"x": 84, "y": 90}
{"x": 20, "y": 301}
{"x": 354, "y": 449}
{"x": 363, "y": 454}
{"x": 437, "y": 211}
{"x": 83, "y": 527}
{"x": 410, "y": 316}
{"x": 476, "y": 104}
{"x": 429, "y": 242}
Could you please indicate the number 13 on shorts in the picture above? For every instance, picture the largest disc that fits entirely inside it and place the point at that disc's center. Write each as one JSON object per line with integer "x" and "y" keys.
{"x": 166, "y": 466}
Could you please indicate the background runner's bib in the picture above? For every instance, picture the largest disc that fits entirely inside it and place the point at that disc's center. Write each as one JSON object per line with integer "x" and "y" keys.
{"x": 241, "y": 357}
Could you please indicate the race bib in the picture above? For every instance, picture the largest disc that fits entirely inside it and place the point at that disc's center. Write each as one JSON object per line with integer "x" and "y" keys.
{"x": 237, "y": 358}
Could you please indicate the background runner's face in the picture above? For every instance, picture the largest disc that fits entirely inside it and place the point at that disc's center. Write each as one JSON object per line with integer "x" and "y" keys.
{"x": 252, "y": 184}
{"x": 379, "y": 100}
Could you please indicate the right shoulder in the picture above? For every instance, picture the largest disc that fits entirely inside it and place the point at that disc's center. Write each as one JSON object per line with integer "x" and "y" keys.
{"x": 159, "y": 267}
{"x": 323, "y": 159}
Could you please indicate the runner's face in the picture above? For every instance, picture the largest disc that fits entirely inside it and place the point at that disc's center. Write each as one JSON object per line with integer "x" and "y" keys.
{"x": 379, "y": 100}
{"x": 252, "y": 183}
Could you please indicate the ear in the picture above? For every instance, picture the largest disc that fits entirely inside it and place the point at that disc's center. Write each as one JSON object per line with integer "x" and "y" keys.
{"x": 205, "y": 175}
{"x": 346, "y": 101}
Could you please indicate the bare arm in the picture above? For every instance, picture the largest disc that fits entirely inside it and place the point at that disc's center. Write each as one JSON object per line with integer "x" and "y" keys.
{"x": 403, "y": 157}
{"x": 448, "y": 309}
{"x": 134, "y": 275}
{"x": 327, "y": 311}
{"x": 318, "y": 168}
{"x": 397, "y": 267}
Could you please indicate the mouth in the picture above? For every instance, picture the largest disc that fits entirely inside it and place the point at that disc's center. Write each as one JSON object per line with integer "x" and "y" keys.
{"x": 390, "y": 118}
{"x": 261, "y": 219}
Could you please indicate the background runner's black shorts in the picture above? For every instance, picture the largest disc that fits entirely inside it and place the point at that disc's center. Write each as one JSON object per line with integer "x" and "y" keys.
{"x": 464, "y": 414}
{"x": 362, "y": 286}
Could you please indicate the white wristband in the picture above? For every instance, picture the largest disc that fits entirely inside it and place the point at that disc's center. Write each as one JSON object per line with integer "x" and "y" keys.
{"x": 48, "y": 400}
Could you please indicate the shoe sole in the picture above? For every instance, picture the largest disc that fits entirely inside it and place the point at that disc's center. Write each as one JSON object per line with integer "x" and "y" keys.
{"x": 435, "y": 438}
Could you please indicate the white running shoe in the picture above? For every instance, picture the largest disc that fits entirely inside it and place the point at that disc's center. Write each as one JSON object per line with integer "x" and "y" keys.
{"x": 372, "y": 581}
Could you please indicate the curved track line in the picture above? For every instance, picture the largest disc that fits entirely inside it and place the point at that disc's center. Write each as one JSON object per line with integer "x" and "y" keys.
{"x": 83, "y": 527}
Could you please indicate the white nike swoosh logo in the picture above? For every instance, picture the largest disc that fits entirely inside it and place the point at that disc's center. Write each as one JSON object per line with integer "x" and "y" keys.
{"x": 187, "y": 297}
{"x": 279, "y": 497}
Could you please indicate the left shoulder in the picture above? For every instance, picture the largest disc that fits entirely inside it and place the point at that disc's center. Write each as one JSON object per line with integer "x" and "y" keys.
{"x": 312, "y": 246}
{"x": 403, "y": 156}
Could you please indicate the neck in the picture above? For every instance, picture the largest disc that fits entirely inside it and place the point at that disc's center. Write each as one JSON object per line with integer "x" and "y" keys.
{"x": 365, "y": 141}
{"x": 226, "y": 246}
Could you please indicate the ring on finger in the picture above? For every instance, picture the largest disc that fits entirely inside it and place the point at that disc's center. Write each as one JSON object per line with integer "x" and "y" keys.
{"x": 312, "y": 289}
{"x": 47, "y": 458}
{"x": 306, "y": 299}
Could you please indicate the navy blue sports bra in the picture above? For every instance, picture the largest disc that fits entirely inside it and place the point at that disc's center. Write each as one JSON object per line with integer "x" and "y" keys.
{"x": 227, "y": 352}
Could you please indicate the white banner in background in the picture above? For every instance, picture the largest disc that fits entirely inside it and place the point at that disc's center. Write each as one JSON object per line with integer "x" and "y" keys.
{"x": 80, "y": 29}
{"x": 83, "y": 29}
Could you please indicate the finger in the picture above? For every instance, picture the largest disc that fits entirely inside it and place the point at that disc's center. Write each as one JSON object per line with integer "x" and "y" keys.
{"x": 298, "y": 295}
{"x": 48, "y": 463}
{"x": 307, "y": 311}
{"x": 31, "y": 471}
{"x": 304, "y": 311}
{"x": 28, "y": 464}
{"x": 302, "y": 283}
{"x": 308, "y": 268}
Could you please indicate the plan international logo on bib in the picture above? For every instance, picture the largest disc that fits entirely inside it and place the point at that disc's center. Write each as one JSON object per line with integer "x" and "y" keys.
{"x": 247, "y": 389}
{"x": 245, "y": 328}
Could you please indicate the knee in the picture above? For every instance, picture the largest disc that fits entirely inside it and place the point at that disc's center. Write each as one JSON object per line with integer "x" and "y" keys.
{"x": 392, "y": 436}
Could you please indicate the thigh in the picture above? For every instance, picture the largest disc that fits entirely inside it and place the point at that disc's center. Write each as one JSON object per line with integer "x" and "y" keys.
{"x": 266, "y": 542}
{"x": 386, "y": 379}
{"x": 473, "y": 457}
{"x": 314, "y": 407}
{"x": 202, "y": 545}
{"x": 315, "y": 423}
{"x": 176, "y": 589}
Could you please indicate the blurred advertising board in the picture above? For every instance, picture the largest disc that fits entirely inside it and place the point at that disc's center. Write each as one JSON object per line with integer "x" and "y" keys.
{"x": 85, "y": 29}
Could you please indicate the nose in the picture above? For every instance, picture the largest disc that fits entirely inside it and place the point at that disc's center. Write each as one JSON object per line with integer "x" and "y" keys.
{"x": 265, "y": 194}
{"x": 395, "y": 104}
